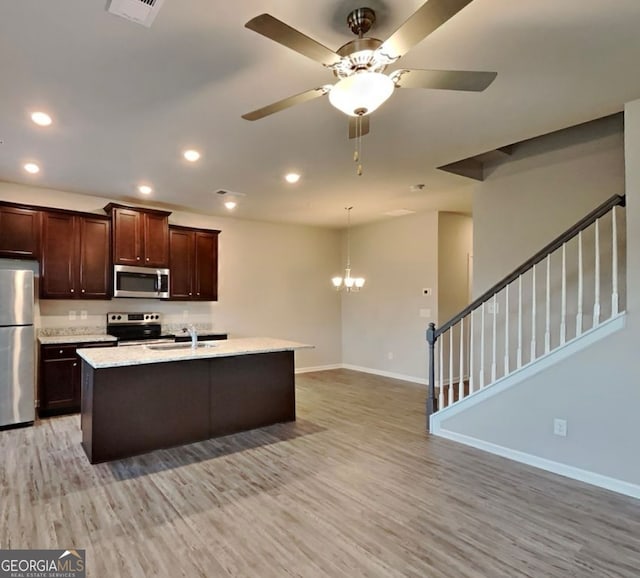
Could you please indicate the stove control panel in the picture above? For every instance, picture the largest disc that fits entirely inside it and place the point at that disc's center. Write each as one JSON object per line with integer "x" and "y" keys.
{"x": 133, "y": 318}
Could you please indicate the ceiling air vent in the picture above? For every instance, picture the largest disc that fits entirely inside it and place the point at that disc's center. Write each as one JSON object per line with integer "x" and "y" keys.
{"x": 138, "y": 11}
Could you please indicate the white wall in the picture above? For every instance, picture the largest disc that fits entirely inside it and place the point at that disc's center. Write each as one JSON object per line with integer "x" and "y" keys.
{"x": 273, "y": 280}
{"x": 545, "y": 187}
{"x": 398, "y": 257}
{"x": 597, "y": 390}
{"x": 455, "y": 246}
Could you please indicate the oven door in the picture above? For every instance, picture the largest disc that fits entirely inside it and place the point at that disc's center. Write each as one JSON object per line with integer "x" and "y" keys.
{"x": 142, "y": 282}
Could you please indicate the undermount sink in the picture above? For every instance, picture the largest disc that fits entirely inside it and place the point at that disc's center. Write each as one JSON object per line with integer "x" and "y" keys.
{"x": 177, "y": 346}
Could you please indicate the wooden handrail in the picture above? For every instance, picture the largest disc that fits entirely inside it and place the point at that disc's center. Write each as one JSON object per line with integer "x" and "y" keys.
{"x": 581, "y": 225}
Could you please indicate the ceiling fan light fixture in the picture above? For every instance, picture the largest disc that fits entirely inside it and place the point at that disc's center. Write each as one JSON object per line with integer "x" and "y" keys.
{"x": 361, "y": 93}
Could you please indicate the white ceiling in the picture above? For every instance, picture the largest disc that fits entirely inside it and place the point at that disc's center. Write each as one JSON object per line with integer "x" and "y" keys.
{"x": 126, "y": 100}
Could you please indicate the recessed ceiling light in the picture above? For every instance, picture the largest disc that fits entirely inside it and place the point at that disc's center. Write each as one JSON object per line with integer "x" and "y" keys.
{"x": 191, "y": 155}
{"x": 32, "y": 168}
{"x": 230, "y": 205}
{"x": 41, "y": 118}
{"x": 145, "y": 189}
{"x": 292, "y": 177}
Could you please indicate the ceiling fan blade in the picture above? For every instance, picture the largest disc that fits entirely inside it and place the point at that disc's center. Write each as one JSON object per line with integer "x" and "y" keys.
{"x": 285, "y": 103}
{"x": 353, "y": 127}
{"x": 474, "y": 81}
{"x": 284, "y": 34}
{"x": 421, "y": 23}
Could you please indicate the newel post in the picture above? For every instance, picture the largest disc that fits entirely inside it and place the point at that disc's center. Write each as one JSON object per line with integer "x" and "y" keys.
{"x": 432, "y": 402}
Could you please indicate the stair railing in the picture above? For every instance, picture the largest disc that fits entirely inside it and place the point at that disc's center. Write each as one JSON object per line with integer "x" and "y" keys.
{"x": 530, "y": 313}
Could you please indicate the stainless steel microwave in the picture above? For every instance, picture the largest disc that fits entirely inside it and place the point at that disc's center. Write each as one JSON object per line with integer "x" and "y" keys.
{"x": 145, "y": 282}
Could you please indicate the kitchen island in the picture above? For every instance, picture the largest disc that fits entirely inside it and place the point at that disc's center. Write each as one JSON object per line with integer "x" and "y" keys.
{"x": 139, "y": 399}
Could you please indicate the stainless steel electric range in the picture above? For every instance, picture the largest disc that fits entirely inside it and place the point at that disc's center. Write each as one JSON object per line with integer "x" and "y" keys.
{"x": 137, "y": 328}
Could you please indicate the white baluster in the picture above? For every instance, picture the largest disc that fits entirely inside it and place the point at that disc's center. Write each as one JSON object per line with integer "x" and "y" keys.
{"x": 471, "y": 339}
{"x": 506, "y": 330}
{"x": 596, "y": 304}
{"x": 493, "y": 357}
{"x": 563, "y": 300}
{"x": 461, "y": 382}
{"x": 519, "y": 354}
{"x": 533, "y": 313}
{"x": 614, "y": 263}
{"x": 450, "y": 366}
{"x": 579, "y": 315}
{"x": 482, "y": 346}
{"x": 547, "y": 325}
{"x": 441, "y": 371}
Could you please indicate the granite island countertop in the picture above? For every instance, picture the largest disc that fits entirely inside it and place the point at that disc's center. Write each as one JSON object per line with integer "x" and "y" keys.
{"x": 76, "y": 338}
{"x": 100, "y": 358}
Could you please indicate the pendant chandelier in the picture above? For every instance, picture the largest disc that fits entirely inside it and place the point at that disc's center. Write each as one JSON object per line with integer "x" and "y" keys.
{"x": 349, "y": 283}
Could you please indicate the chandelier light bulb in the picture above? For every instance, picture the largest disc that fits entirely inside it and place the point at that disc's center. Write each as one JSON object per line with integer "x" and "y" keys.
{"x": 361, "y": 93}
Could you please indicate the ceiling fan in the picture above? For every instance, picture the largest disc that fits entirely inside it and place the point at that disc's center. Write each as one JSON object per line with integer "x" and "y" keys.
{"x": 360, "y": 64}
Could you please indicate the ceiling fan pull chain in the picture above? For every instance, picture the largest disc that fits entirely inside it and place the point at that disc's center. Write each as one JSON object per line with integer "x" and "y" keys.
{"x": 359, "y": 139}
{"x": 359, "y": 144}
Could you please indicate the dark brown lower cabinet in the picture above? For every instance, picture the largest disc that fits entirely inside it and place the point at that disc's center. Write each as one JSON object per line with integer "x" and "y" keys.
{"x": 60, "y": 378}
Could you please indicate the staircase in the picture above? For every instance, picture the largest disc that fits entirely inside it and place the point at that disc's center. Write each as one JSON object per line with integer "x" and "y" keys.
{"x": 565, "y": 295}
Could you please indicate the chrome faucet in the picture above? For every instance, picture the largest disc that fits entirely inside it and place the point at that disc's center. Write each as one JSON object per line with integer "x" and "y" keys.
{"x": 191, "y": 330}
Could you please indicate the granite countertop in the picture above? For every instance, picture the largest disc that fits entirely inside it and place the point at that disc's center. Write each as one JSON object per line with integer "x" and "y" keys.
{"x": 62, "y": 339}
{"x": 100, "y": 358}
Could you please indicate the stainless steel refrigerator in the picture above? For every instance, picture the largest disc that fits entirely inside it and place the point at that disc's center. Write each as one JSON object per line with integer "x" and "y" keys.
{"x": 17, "y": 348}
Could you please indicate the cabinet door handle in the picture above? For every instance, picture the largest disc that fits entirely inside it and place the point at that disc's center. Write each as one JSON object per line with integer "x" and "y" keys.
{"x": 189, "y": 294}
{"x": 147, "y": 258}
{"x": 75, "y": 365}
{"x": 198, "y": 294}
{"x": 72, "y": 290}
{"x": 137, "y": 258}
{"x": 61, "y": 351}
{"x": 83, "y": 290}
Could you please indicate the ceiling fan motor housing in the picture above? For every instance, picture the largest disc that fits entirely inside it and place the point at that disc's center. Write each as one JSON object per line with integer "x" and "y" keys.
{"x": 361, "y": 20}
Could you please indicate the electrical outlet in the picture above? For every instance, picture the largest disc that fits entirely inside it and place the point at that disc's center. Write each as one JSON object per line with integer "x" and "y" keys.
{"x": 72, "y": 315}
{"x": 560, "y": 427}
{"x": 83, "y": 314}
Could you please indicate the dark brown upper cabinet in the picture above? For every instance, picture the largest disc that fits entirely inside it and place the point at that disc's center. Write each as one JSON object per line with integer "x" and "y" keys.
{"x": 140, "y": 236}
{"x": 75, "y": 256}
{"x": 194, "y": 264}
{"x": 19, "y": 232}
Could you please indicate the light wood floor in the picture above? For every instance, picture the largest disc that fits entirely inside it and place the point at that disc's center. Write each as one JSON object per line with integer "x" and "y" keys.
{"x": 353, "y": 488}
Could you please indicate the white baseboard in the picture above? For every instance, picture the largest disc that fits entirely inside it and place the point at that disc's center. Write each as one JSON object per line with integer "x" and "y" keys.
{"x": 410, "y": 378}
{"x": 415, "y": 381}
{"x": 613, "y": 484}
{"x": 318, "y": 368}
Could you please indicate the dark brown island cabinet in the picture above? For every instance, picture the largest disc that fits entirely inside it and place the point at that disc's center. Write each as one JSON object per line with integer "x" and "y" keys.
{"x": 140, "y": 236}
{"x": 75, "y": 256}
{"x": 19, "y": 232}
{"x": 194, "y": 264}
{"x": 134, "y": 409}
{"x": 59, "y": 388}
